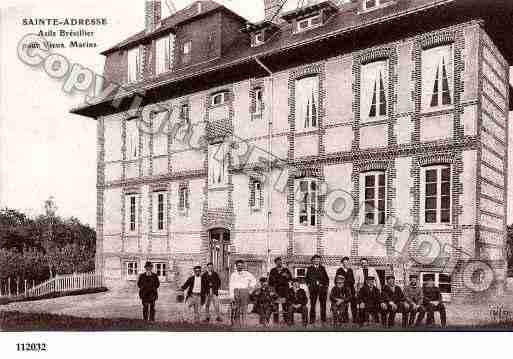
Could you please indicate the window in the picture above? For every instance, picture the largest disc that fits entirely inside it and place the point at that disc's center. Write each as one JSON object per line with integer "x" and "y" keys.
{"x": 374, "y": 4}
{"x": 374, "y": 197}
{"x": 131, "y": 270}
{"x": 160, "y": 270}
{"x": 183, "y": 198}
{"x": 164, "y": 59}
{"x": 308, "y": 23}
{"x": 160, "y": 133}
{"x": 307, "y": 103}
{"x": 442, "y": 281}
{"x": 437, "y": 77}
{"x": 132, "y": 212}
{"x": 256, "y": 195}
{"x": 437, "y": 194}
{"x": 259, "y": 38}
{"x": 217, "y": 164}
{"x": 300, "y": 272}
{"x": 219, "y": 98}
{"x": 134, "y": 64}
{"x": 374, "y": 90}
{"x": 186, "y": 52}
{"x": 159, "y": 211}
{"x": 308, "y": 202}
{"x": 132, "y": 139}
{"x": 259, "y": 101}
{"x": 184, "y": 112}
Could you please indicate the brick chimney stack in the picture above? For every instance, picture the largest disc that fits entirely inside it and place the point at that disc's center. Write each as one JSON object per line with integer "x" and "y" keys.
{"x": 153, "y": 14}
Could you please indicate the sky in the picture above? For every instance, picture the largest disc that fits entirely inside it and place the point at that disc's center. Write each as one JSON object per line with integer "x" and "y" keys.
{"x": 44, "y": 150}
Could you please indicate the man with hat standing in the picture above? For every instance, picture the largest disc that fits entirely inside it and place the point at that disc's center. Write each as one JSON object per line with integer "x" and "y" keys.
{"x": 393, "y": 302}
{"x": 414, "y": 298}
{"x": 195, "y": 287}
{"x": 317, "y": 281}
{"x": 279, "y": 279}
{"x": 433, "y": 301}
{"x": 148, "y": 284}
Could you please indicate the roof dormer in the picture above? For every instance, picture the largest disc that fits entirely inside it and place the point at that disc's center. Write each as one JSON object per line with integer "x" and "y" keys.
{"x": 260, "y": 32}
{"x": 310, "y": 16}
{"x": 371, "y": 5}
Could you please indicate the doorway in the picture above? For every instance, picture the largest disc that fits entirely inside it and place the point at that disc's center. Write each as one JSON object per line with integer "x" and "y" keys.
{"x": 219, "y": 242}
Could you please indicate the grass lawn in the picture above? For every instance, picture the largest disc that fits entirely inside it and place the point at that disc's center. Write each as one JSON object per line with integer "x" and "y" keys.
{"x": 18, "y": 321}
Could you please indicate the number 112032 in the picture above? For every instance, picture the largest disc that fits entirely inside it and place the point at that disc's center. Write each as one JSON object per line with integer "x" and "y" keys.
{"x": 31, "y": 347}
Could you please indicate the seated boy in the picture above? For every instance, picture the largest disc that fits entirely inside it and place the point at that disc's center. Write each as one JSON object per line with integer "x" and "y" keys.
{"x": 340, "y": 298}
{"x": 265, "y": 300}
{"x": 296, "y": 303}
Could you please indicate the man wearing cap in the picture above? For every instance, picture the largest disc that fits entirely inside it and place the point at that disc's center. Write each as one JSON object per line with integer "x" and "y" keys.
{"x": 211, "y": 283}
{"x": 241, "y": 283}
{"x": 340, "y": 297}
{"x": 265, "y": 299}
{"x": 195, "y": 287}
{"x": 279, "y": 279}
{"x": 363, "y": 272}
{"x": 317, "y": 281}
{"x": 297, "y": 300}
{"x": 347, "y": 272}
{"x": 369, "y": 300}
{"x": 148, "y": 284}
{"x": 413, "y": 295}
{"x": 393, "y": 301}
{"x": 433, "y": 301}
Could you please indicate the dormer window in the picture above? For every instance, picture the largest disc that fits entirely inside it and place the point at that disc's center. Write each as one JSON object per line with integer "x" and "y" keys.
{"x": 369, "y": 5}
{"x": 259, "y": 38}
{"x": 308, "y": 23}
{"x": 134, "y": 64}
{"x": 186, "y": 52}
{"x": 219, "y": 98}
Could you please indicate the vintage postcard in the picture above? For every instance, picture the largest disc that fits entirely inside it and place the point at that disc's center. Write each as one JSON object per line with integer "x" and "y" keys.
{"x": 248, "y": 166}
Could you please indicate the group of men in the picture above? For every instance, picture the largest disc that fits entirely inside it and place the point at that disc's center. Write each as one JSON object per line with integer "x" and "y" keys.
{"x": 359, "y": 290}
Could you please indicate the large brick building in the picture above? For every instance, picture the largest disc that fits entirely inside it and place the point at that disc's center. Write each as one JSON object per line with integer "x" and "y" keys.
{"x": 396, "y": 109}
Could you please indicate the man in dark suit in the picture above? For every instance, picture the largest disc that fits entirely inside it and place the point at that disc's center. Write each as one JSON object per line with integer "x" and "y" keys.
{"x": 369, "y": 300}
{"x": 317, "y": 281}
{"x": 195, "y": 287}
{"x": 433, "y": 301}
{"x": 279, "y": 279}
{"x": 349, "y": 282}
{"x": 296, "y": 303}
{"x": 210, "y": 295}
{"x": 148, "y": 284}
{"x": 393, "y": 301}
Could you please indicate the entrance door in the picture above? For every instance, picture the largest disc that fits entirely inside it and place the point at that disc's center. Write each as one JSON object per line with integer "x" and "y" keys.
{"x": 220, "y": 254}
{"x": 131, "y": 270}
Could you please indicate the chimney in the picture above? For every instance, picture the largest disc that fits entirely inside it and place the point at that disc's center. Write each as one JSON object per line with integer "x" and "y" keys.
{"x": 153, "y": 14}
{"x": 273, "y": 9}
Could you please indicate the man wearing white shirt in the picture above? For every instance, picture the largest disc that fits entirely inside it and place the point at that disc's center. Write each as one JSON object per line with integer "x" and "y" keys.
{"x": 241, "y": 284}
{"x": 195, "y": 291}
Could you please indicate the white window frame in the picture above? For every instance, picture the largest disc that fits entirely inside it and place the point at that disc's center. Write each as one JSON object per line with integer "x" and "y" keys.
{"x": 259, "y": 41}
{"x": 301, "y": 110}
{"x": 187, "y": 116}
{"x": 218, "y": 164}
{"x": 438, "y": 221}
{"x": 446, "y": 296}
{"x": 259, "y": 103}
{"x": 132, "y": 217}
{"x": 428, "y": 61}
{"x": 161, "y": 270}
{"x": 370, "y": 77}
{"x": 134, "y": 64}
{"x": 312, "y": 206}
{"x": 257, "y": 193}
{"x": 376, "y": 175}
{"x": 132, "y": 139}
{"x": 378, "y": 4}
{"x": 309, "y": 23}
{"x": 183, "y": 200}
{"x": 156, "y": 211}
{"x": 187, "y": 52}
{"x": 131, "y": 270}
{"x": 164, "y": 58}
{"x": 222, "y": 95}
